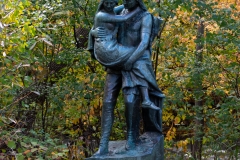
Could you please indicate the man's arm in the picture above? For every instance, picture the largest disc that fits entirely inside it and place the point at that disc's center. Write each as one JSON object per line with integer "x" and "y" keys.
{"x": 98, "y": 32}
{"x": 143, "y": 45}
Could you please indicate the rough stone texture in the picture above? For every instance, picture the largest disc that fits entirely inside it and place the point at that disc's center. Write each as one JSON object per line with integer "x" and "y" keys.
{"x": 149, "y": 147}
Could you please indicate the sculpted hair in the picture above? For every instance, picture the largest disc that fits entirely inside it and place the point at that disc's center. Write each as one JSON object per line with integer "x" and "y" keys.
{"x": 100, "y": 6}
{"x": 142, "y": 5}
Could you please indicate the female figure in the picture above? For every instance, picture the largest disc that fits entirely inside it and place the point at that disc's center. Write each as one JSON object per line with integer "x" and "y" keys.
{"x": 107, "y": 50}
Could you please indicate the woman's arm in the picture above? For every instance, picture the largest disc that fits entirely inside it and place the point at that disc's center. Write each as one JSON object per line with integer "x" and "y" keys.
{"x": 106, "y": 17}
{"x": 118, "y": 9}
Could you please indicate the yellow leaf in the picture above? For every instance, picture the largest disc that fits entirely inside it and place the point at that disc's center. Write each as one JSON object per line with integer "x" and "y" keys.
{"x": 204, "y": 140}
{"x": 183, "y": 117}
{"x": 177, "y": 120}
{"x": 75, "y": 121}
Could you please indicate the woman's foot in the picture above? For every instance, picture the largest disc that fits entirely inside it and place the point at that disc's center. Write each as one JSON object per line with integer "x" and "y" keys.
{"x": 149, "y": 104}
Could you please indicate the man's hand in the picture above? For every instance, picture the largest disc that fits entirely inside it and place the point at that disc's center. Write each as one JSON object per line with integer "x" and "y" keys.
{"x": 99, "y": 32}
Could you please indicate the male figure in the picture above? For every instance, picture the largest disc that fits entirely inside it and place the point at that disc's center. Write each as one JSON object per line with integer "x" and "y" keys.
{"x": 135, "y": 32}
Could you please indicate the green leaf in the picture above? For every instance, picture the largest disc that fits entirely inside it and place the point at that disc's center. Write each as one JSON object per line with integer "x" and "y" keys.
{"x": 24, "y": 144}
{"x": 34, "y": 143}
{"x": 11, "y": 144}
{"x": 20, "y": 157}
{"x": 28, "y": 79}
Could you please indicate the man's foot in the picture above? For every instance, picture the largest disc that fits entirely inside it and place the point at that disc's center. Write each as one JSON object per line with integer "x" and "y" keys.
{"x": 130, "y": 145}
{"x": 103, "y": 150}
{"x": 149, "y": 104}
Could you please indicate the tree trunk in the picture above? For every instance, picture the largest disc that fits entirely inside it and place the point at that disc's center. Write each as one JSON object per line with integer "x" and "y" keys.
{"x": 198, "y": 108}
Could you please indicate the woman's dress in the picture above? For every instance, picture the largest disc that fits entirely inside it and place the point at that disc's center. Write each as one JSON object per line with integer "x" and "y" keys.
{"x": 110, "y": 53}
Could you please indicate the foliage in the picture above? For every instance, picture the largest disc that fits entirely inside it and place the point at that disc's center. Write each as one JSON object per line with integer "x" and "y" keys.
{"x": 20, "y": 145}
{"x": 51, "y": 90}
{"x": 178, "y": 76}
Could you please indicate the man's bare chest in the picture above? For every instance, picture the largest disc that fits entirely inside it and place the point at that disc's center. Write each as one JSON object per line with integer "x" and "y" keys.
{"x": 133, "y": 26}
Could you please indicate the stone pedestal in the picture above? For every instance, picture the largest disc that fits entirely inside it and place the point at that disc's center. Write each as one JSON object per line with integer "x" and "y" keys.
{"x": 149, "y": 147}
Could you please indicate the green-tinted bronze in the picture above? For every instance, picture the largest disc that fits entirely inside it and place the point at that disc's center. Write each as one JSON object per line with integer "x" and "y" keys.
{"x": 122, "y": 43}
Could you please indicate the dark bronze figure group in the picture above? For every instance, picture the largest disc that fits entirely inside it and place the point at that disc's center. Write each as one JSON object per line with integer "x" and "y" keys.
{"x": 121, "y": 41}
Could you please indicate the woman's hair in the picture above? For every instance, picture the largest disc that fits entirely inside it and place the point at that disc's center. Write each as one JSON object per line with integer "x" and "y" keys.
{"x": 140, "y": 2}
{"x": 100, "y": 6}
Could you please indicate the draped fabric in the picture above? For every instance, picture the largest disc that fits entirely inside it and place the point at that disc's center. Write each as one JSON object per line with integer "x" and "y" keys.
{"x": 110, "y": 53}
{"x": 140, "y": 75}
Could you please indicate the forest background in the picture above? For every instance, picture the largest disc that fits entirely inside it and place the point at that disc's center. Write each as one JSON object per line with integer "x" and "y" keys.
{"x": 51, "y": 90}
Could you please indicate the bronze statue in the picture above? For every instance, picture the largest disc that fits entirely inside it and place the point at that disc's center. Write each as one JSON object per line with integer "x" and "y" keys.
{"x": 122, "y": 43}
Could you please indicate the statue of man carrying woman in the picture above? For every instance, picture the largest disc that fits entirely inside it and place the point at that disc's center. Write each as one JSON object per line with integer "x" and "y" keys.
{"x": 121, "y": 41}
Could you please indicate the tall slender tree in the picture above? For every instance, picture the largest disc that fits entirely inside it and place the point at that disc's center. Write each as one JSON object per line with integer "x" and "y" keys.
{"x": 198, "y": 120}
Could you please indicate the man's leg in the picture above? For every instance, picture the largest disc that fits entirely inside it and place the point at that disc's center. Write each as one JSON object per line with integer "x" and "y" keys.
{"x": 132, "y": 113}
{"x": 111, "y": 90}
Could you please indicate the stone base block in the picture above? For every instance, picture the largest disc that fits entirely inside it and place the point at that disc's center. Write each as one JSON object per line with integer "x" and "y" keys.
{"x": 149, "y": 147}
